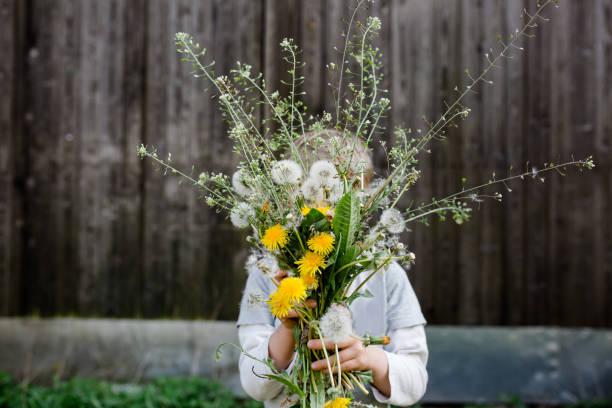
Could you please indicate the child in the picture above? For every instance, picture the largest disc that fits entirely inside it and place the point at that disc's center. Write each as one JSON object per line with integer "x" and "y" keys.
{"x": 399, "y": 373}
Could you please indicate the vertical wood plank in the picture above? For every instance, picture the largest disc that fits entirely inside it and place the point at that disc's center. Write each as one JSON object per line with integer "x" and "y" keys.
{"x": 51, "y": 197}
{"x": 494, "y": 165}
{"x": 561, "y": 251}
{"x": 515, "y": 74}
{"x": 472, "y": 155}
{"x": 603, "y": 37}
{"x": 446, "y": 164}
{"x": 9, "y": 238}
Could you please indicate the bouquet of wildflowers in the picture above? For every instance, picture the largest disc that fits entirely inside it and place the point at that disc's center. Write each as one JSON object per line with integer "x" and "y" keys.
{"x": 304, "y": 187}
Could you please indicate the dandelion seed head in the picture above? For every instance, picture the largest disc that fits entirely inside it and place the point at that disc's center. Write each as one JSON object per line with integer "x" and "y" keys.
{"x": 312, "y": 191}
{"x": 286, "y": 172}
{"x": 238, "y": 183}
{"x": 335, "y": 192}
{"x": 393, "y": 221}
{"x": 240, "y": 215}
{"x": 336, "y": 324}
{"x": 324, "y": 172}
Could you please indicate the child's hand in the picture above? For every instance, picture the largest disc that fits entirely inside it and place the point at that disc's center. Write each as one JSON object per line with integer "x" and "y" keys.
{"x": 353, "y": 355}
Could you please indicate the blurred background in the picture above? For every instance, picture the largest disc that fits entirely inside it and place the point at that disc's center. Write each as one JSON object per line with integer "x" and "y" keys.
{"x": 89, "y": 230}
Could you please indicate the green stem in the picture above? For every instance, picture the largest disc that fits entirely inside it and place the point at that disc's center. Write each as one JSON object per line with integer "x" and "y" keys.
{"x": 331, "y": 376}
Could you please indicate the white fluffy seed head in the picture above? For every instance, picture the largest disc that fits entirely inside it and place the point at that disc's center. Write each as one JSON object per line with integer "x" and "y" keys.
{"x": 241, "y": 214}
{"x": 393, "y": 221}
{"x": 336, "y": 191}
{"x": 286, "y": 172}
{"x": 336, "y": 323}
{"x": 324, "y": 172}
{"x": 239, "y": 185}
{"x": 312, "y": 191}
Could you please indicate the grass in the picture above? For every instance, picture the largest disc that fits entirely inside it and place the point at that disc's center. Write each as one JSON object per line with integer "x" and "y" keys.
{"x": 163, "y": 392}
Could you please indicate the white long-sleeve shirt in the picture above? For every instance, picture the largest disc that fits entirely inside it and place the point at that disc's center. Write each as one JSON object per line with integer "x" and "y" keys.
{"x": 394, "y": 310}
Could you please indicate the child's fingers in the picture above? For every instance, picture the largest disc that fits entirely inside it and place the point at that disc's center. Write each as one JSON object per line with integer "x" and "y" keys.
{"x": 346, "y": 355}
{"x": 310, "y": 303}
{"x": 317, "y": 344}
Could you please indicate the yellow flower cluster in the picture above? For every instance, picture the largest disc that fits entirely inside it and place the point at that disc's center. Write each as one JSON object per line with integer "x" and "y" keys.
{"x": 338, "y": 403}
{"x": 322, "y": 208}
{"x": 314, "y": 260}
{"x": 289, "y": 292}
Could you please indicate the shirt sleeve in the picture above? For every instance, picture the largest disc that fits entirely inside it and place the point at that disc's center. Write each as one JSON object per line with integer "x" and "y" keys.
{"x": 407, "y": 356}
{"x": 403, "y": 308}
{"x": 260, "y": 285}
{"x": 254, "y": 340}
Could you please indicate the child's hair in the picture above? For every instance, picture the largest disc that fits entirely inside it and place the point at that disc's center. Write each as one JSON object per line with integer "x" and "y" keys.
{"x": 335, "y": 146}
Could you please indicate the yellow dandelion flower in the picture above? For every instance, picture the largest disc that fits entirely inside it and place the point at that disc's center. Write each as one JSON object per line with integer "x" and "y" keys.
{"x": 310, "y": 280}
{"x": 338, "y": 403}
{"x": 322, "y": 243}
{"x": 320, "y": 207}
{"x": 289, "y": 291}
{"x": 310, "y": 263}
{"x": 275, "y": 237}
{"x": 279, "y": 306}
{"x": 323, "y": 209}
{"x": 292, "y": 288}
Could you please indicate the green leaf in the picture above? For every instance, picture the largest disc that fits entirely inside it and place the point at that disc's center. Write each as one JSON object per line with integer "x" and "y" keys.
{"x": 312, "y": 217}
{"x": 346, "y": 220}
{"x": 287, "y": 383}
{"x": 317, "y": 399}
{"x": 349, "y": 256}
{"x": 364, "y": 294}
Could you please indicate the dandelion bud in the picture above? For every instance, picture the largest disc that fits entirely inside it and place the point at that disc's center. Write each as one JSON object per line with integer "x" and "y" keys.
{"x": 399, "y": 246}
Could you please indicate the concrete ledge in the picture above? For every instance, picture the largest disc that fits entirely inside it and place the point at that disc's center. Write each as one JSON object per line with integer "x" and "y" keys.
{"x": 116, "y": 349}
{"x": 466, "y": 365}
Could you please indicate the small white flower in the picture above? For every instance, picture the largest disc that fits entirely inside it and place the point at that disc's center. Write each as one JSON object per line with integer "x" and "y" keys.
{"x": 312, "y": 191}
{"x": 393, "y": 221}
{"x": 336, "y": 324}
{"x": 286, "y": 172}
{"x": 375, "y": 23}
{"x": 255, "y": 299}
{"x": 241, "y": 214}
{"x": 324, "y": 172}
{"x": 238, "y": 183}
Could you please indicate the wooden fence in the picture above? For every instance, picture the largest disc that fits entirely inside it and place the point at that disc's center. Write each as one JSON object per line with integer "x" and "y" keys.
{"x": 87, "y": 228}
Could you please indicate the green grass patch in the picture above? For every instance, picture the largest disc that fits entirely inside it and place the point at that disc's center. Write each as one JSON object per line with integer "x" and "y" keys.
{"x": 163, "y": 392}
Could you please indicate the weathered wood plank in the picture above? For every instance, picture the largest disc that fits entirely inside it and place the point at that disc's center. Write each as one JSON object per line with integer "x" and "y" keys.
{"x": 9, "y": 237}
{"x": 515, "y": 252}
{"x": 446, "y": 164}
{"x": 472, "y": 158}
{"x": 491, "y": 125}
